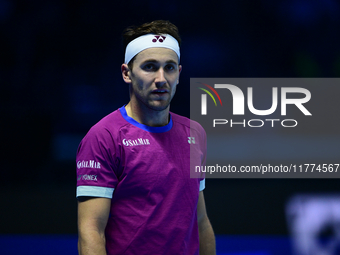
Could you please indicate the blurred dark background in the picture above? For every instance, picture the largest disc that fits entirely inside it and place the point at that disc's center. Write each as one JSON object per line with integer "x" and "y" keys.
{"x": 60, "y": 74}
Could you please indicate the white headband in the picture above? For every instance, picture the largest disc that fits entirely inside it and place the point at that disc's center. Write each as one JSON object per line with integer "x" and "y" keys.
{"x": 150, "y": 41}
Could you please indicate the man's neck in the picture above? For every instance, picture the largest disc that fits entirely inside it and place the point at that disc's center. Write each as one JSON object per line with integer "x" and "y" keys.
{"x": 147, "y": 116}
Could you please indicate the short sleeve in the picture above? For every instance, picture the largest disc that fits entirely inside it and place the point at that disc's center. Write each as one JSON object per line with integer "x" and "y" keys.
{"x": 96, "y": 163}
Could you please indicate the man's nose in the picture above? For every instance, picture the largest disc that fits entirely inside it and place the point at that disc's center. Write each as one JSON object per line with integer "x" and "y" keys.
{"x": 160, "y": 77}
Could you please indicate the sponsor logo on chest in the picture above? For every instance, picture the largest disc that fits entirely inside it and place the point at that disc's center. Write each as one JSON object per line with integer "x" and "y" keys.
{"x": 136, "y": 142}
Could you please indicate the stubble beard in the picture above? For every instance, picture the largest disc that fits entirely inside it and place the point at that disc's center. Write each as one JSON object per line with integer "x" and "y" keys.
{"x": 145, "y": 100}
{"x": 157, "y": 105}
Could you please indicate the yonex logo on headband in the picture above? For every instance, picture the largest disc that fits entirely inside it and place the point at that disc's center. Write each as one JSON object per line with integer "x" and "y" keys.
{"x": 150, "y": 41}
{"x": 159, "y": 38}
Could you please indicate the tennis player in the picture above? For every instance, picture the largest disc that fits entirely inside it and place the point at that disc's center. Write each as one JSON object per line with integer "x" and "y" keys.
{"x": 135, "y": 194}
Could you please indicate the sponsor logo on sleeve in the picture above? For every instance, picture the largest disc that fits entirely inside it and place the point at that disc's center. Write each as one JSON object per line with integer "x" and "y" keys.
{"x": 87, "y": 177}
{"x": 88, "y": 164}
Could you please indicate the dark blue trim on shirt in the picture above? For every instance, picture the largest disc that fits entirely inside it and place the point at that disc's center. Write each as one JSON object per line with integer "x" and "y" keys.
{"x": 145, "y": 127}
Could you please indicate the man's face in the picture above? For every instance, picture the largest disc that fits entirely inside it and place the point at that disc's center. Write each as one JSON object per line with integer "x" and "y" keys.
{"x": 154, "y": 78}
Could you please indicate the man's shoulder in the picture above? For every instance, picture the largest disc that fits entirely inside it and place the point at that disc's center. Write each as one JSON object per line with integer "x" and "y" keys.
{"x": 189, "y": 123}
{"x": 108, "y": 124}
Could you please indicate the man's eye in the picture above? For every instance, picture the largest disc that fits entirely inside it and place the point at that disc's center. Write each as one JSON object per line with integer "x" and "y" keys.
{"x": 149, "y": 67}
{"x": 170, "y": 67}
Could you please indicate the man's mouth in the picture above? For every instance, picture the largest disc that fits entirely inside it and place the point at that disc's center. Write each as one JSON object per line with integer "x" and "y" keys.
{"x": 160, "y": 91}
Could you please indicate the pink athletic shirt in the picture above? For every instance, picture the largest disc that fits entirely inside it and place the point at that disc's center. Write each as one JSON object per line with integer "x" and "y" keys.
{"x": 146, "y": 173}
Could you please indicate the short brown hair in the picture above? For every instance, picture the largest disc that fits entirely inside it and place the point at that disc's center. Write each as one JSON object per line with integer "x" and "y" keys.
{"x": 156, "y": 27}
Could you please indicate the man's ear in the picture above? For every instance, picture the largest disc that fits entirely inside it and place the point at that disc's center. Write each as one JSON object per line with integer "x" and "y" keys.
{"x": 126, "y": 73}
{"x": 179, "y": 72}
